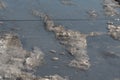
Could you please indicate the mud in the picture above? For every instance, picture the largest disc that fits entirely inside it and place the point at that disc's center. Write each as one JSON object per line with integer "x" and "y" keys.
{"x": 14, "y": 59}
{"x": 52, "y": 51}
{"x": 92, "y": 13}
{"x": 85, "y": 20}
{"x": 2, "y": 4}
{"x": 114, "y": 31}
{"x": 108, "y": 54}
{"x": 53, "y": 77}
{"x": 118, "y": 1}
{"x": 67, "y": 2}
{"x": 111, "y": 7}
{"x": 74, "y": 41}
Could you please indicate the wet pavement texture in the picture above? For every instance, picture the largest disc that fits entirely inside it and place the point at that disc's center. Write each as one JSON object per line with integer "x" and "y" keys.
{"x": 79, "y": 15}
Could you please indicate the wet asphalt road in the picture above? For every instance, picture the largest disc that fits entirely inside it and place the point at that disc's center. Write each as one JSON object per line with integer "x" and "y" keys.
{"x": 17, "y": 17}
